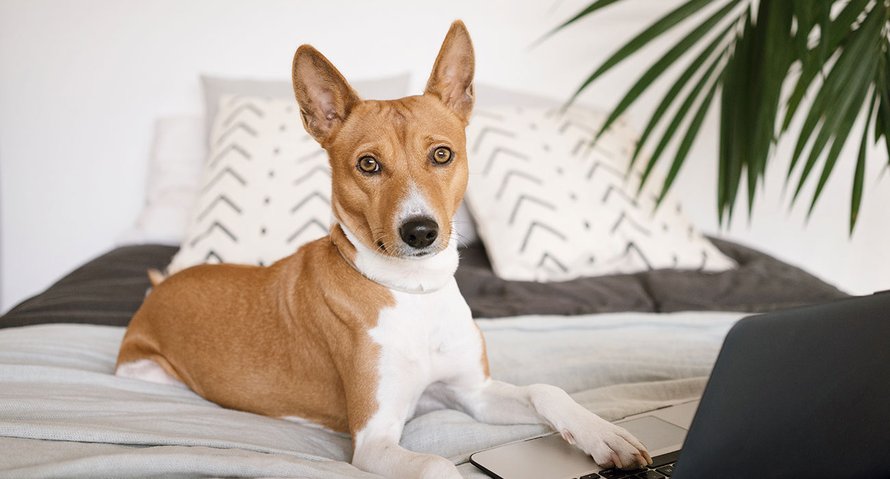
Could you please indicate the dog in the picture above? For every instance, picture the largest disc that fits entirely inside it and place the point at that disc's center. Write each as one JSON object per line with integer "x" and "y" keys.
{"x": 363, "y": 329}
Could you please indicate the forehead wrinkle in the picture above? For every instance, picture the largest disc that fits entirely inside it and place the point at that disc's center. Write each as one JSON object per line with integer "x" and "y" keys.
{"x": 397, "y": 116}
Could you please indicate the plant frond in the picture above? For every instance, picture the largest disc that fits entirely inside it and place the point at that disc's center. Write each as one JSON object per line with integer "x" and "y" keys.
{"x": 678, "y": 118}
{"x": 594, "y": 6}
{"x": 832, "y": 33}
{"x": 688, "y": 140}
{"x": 669, "y": 58}
{"x": 859, "y": 174}
{"x": 842, "y": 95}
{"x": 661, "y": 26}
{"x": 674, "y": 91}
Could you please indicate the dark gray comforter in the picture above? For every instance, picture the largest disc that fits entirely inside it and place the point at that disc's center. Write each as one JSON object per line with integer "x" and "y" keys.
{"x": 761, "y": 283}
{"x": 109, "y": 289}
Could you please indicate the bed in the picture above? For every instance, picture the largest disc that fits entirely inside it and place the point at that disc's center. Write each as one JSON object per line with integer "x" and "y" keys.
{"x": 619, "y": 344}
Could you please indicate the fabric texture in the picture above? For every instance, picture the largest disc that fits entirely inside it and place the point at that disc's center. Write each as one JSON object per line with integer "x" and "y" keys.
{"x": 109, "y": 289}
{"x": 552, "y": 205}
{"x": 179, "y": 149}
{"x": 266, "y": 188}
{"x": 216, "y": 87}
{"x": 63, "y": 414}
{"x": 761, "y": 283}
{"x": 105, "y": 290}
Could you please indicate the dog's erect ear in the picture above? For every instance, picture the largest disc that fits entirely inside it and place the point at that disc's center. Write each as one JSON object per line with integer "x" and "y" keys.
{"x": 452, "y": 77}
{"x": 324, "y": 96}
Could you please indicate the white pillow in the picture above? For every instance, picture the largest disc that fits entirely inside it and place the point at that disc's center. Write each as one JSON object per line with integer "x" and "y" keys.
{"x": 174, "y": 175}
{"x": 265, "y": 191}
{"x": 214, "y": 88}
{"x": 180, "y": 147}
{"x": 550, "y": 206}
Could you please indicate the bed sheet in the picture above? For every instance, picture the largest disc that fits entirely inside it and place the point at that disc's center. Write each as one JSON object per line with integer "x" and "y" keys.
{"x": 63, "y": 414}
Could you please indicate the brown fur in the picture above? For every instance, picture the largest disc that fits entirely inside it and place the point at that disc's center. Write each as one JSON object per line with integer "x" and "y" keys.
{"x": 398, "y": 133}
{"x": 291, "y": 339}
{"x": 278, "y": 341}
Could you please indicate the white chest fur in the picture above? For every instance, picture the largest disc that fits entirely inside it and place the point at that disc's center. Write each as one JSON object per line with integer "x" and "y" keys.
{"x": 424, "y": 338}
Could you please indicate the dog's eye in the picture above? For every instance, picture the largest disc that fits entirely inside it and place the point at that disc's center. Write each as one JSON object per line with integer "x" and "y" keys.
{"x": 367, "y": 164}
{"x": 441, "y": 155}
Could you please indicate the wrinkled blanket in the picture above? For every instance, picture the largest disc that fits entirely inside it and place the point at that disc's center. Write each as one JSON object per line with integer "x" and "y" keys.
{"x": 110, "y": 288}
{"x": 63, "y": 414}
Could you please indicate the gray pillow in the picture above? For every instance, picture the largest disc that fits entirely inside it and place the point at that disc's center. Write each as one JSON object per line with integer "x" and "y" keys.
{"x": 383, "y": 88}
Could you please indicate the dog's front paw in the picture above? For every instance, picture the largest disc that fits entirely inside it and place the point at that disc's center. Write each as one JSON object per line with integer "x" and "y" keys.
{"x": 436, "y": 467}
{"x": 609, "y": 445}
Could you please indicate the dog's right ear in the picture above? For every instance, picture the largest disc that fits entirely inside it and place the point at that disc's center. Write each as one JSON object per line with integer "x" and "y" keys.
{"x": 324, "y": 96}
{"x": 452, "y": 77}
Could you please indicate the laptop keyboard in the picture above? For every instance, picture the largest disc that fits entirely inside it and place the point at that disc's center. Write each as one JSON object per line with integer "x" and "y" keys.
{"x": 662, "y": 467}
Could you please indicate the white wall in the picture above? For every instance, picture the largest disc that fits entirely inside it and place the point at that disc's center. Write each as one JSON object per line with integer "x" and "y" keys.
{"x": 82, "y": 82}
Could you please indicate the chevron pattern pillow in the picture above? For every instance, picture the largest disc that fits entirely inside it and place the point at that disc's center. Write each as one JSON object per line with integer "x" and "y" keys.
{"x": 266, "y": 188}
{"x": 551, "y": 206}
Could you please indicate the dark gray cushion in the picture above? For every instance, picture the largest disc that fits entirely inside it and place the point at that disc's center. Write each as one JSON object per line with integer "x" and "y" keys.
{"x": 760, "y": 283}
{"x": 107, "y": 290}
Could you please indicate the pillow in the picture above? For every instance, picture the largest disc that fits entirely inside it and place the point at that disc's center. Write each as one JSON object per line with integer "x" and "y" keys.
{"x": 106, "y": 290}
{"x": 265, "y": 190}
{"x": 215, "y": 88}
{"x": 180, "y": 147}
{"x": 551, "y": 206}
{"x": 174, "y": 173}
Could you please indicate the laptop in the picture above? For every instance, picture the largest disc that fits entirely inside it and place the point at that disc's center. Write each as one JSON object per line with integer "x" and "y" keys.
{"x": 793, "y": 394}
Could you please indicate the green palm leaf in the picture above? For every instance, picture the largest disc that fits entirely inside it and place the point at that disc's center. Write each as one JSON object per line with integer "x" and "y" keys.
{"x": 681, "y": 48}
{"x": 652, "y": 32}
{"x": 859, "y": 174}
{"x": 841, "y": 98}
{"x": 686, "y": 143}
{"x": 593, "y": 7}
{"x": 674, "y": 91}
{"x": 813, "y": 61}
{"x": 674, "y": 124}
{"x": 842, "y": 60}
{"x": 882, "y": 123}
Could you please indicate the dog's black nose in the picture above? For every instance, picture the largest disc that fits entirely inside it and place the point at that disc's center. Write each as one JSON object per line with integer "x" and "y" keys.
{"x": 419, "y": 232}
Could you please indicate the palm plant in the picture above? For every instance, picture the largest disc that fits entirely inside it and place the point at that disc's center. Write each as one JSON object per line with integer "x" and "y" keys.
{"x": 766, "y": 59}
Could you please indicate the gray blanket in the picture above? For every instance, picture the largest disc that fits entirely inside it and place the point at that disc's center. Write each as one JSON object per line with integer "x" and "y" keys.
{"x": 109, "y": 289}
{"x": 62, "y": 413}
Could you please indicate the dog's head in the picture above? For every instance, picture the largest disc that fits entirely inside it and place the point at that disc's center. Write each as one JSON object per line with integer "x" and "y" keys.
{"x": 399, "y": 167}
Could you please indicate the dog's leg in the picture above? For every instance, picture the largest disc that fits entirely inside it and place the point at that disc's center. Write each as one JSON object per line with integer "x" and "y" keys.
{"x": 377, "y": 450}
{"x": 498, "y": 402}
{"x": 376, "y": 439}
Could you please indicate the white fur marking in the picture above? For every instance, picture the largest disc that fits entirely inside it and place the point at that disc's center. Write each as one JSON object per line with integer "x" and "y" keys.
{"x": 413, "y": 205}
{"x": 312, "y": 424}
{"x": 147, "y": 370}
{"x": 413, "y": 275}
{"x": 424, "y": 340}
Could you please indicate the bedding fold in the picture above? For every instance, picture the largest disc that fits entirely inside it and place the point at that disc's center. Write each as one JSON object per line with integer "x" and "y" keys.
{"x": 63, "y": 414}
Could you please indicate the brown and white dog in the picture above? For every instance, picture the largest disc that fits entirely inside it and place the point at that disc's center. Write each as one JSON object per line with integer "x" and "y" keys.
{"x": 363, "y": 329}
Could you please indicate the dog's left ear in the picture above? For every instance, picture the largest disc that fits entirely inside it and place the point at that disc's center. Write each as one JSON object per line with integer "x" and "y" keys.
{"x": 452, "y": 78}
{"x": 324, "y": 96}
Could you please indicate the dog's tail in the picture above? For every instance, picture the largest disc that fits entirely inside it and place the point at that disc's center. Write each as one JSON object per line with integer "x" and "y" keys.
{"x": 156, "y": 277}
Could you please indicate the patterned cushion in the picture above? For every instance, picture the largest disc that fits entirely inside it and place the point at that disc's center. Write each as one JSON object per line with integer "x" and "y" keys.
{"x": 266, "y": 187}
{"x": 550, "y": 205}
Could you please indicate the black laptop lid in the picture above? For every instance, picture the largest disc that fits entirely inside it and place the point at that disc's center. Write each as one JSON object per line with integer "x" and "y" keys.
{"x": 800, "y": 393}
